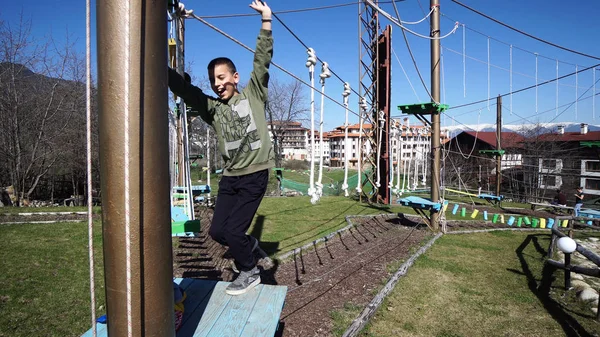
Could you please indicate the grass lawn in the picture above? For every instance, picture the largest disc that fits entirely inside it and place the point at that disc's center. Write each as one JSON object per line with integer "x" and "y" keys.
{"x": 44, "y": 279}
{"x": 482, "y": 284}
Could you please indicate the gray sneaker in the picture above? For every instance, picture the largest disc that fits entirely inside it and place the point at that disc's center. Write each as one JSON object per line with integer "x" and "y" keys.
{"x": 245, "y": 281}
{"x": 263, "y": 258}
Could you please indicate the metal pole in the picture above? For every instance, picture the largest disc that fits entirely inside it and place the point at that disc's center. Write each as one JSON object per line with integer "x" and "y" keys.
{"x": 133, "y": 124}
{"x": 567, "y": 271}
{"x": 435, "y": 116}
{"x": 498, "y": 145}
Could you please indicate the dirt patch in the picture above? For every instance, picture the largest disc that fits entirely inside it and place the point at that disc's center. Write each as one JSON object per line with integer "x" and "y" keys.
{"x": 347, "y": 268}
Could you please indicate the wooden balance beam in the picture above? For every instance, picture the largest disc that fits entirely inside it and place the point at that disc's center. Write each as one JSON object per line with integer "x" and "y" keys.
{"x": 209, "y": 311}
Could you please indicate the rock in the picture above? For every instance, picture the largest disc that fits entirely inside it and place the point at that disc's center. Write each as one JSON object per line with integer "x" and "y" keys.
{"x": 594, "y": 239}
{"x": 588, "y": 294}
{"x": 595, "y": 310}
{"x": 575, "y": 276}
{"x": 579, "y": 285}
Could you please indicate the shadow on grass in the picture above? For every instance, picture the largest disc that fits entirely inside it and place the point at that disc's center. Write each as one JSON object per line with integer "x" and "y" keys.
{"x": 542, "y": 289}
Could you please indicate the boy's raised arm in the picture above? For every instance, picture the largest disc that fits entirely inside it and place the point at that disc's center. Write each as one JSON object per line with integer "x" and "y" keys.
{"x": 191, "y": 94}
{"x": 264, "y": 51}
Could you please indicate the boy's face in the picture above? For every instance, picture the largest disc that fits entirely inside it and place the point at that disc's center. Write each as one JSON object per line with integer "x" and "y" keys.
{"x": 223, "y": 82}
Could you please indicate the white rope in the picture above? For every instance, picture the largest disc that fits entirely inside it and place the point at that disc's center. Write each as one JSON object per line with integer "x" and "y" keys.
{"x": 594, "y": 95}
{"x": 488, "y": 73}
{"x": 346, "y": 94}
{"x": 398, "y": 158}
{"x": 325, "y": 73}
{"x": 126, "y": 158}
{"x": 363, "y": 110}
{"x": 474, "y": 142}
{"x": 556, "y": 109}
{"x": 88, "y": 113}
{"x": 417, "y": 22}
{"x": 536, "y": 82}
{"x": 425, "y": 161}
{"x": 510, "y": 74}
{"x": 464, "y": 53}
{"x": 399, "y": 24}
{"x": 393, "y": 134}
{"x": 379, "y": 141}
{"x": 310, "y": 64}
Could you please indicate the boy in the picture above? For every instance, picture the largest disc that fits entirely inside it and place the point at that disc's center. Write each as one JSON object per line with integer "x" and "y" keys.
{"x": 238, "y": 119}
{"x": 578, "y": 200}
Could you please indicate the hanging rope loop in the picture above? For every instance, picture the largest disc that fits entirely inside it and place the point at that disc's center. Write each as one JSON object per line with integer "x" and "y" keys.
{"x": 184, "y": 13}
{"x": 312, "y": 59}
{"x": 325, "y": 73}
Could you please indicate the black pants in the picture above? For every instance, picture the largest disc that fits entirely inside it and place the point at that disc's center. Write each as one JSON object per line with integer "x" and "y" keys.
{"x": 237, "y": 202}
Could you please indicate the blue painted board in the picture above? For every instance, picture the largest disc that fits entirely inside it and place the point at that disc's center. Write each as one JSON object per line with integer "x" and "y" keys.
{"x": 209, "y": 311}
{"x": 590, "y": 213}
{"x": 490, "y": 196}
{"x": 419, "y": 202}
{"x": 233, "y": 317}
{"x": 271, "y": 299}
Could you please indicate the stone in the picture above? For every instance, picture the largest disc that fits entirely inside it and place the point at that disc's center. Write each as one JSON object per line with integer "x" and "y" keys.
{"x": 575, "y": 276}
{"x": 588, "y": 295}
{"x": 579, "y": 285}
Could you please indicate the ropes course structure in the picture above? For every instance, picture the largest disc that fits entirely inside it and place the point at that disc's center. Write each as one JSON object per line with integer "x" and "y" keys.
{"x": 381, "y": 140}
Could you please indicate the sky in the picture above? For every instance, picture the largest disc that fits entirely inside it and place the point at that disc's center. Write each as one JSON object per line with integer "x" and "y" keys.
{"x": 333, "y": 34}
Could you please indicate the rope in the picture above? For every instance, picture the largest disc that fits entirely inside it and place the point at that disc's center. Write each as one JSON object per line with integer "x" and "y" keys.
{"x": 398, "y": 23}
{"x": 393, "y": 134}
{"x": 363, "y": 108}
{"x": 310, "y": 64}
{"x": 488, "y": 73}
{"x": 379, "y": 141}
{"x": 576, "y": 91}
{"x": 556, "y": 110}
{"x": 126, "y": 171}
{"x": 325, "y": 73}
{"x": 406, "y": 75}
{"x": 412, "y": 57}
{"x": 510, "y": 75}
{"x": 526, "y": 88}
{"x": 417, "y": 22}
{"x": 88, "y": 112}
{"x": 505, "y": 69}
{"x": 464, "y": 48}
{"x": 594, "y": 95}
{"x": 474, "y": 143}
{"x": 346, "y": 94}
{"x": 536, "y": 83}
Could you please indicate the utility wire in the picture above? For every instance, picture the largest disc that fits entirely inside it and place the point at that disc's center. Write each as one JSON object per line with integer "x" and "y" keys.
{"x": 524, "y": 33}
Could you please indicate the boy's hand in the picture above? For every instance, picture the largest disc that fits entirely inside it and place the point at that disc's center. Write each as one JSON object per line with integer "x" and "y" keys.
{"x": 262, "y": 8}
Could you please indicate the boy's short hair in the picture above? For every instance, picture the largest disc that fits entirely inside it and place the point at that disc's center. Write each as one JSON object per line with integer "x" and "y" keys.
{"x": 221, "y": 61}
{"x": 579, "y": 188}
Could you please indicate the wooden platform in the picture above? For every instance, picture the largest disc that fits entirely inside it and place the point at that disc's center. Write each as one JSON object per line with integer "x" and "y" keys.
{"x": 210, "y": 312}
{"x": 420, "y": 203}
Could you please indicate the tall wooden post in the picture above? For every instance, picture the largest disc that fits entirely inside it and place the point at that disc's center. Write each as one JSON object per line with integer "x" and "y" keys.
{"x": 435, "y": 116}
{"x": 498, "y": 145}
{"x": 133, "y": 124}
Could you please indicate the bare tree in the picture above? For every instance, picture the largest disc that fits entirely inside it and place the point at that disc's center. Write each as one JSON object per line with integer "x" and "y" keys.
{"x": 287, "y": 103}
{"x": 40, "y": 93}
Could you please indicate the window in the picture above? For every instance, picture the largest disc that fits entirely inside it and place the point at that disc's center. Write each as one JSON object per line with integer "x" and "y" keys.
{"x": 592, "y": 184}
{"x": 592, "y": 166}
{"x": 548, "y": 181}
{"x": 549, "y": 164}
